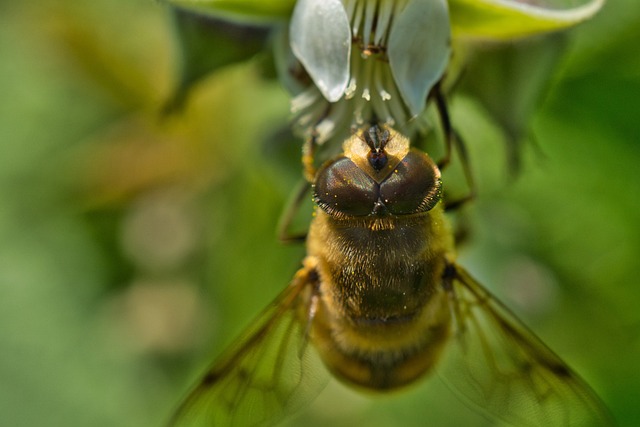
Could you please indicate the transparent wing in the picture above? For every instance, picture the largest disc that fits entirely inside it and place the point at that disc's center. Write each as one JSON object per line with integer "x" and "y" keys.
{"x": 269, "y": 372}
{"x": 500, "y": 365}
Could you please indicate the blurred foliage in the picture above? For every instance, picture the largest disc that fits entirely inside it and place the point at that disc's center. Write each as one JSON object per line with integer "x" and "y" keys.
{"x": 134, "y": 246}
{"x": 196, "y": 34}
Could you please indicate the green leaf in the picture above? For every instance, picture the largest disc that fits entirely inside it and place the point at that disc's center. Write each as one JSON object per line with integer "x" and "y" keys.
{"x": 240, "y": 10}
{"x": 206, "y": 44}
{"x": 503, "y": 19}
{"x": 510, "y": 80}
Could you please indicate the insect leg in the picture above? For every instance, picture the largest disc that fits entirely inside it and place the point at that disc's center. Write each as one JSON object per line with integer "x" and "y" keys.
{"x": 314, "y": 281}
{"x": 289, "y": 213}
{"x": 308, "y": 157}
{"x": 453, "y": 139}
{"x": 466, "y": 168}
{"x": 445, "y": 122}
{"x": 448, "y": 276}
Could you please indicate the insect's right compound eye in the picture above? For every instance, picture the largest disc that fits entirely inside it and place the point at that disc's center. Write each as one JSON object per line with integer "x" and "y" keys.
{"x": 414, "y": 186}
{"x": 342, "y": 188}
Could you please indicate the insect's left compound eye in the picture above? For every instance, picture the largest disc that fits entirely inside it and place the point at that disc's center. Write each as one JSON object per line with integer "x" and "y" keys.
{"x": 342, "y": 188}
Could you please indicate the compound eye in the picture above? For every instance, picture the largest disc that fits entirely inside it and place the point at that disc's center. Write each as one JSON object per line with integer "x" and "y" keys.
{"x": 414, "y": 185}
{"x": 342, "y": 188}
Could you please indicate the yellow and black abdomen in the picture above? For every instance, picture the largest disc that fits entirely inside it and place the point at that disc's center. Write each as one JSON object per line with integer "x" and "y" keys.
{"x": 382, "y": 320}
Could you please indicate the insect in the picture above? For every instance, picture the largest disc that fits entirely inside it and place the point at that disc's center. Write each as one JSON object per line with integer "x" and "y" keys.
{"x": 379, "y": 302}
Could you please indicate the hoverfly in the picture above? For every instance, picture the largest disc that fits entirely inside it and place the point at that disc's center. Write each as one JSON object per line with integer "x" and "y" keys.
{"x": 380, "y": 301}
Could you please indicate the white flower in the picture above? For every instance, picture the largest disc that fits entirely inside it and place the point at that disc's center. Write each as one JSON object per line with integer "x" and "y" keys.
{"x": 348, "y": 62}
{"x": 372, "y": 59}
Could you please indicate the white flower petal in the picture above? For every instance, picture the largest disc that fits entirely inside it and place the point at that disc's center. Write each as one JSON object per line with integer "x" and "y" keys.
{"x": 321, "y": 40}
{"x": 419, "y": 49}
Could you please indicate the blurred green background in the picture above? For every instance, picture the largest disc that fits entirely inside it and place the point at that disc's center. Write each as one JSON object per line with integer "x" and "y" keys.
{"x": 133, "y": 249}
